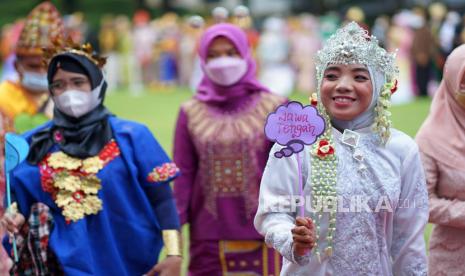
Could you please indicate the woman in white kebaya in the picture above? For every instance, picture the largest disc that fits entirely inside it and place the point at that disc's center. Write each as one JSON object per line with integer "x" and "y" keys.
{"x": 366, "y": 176}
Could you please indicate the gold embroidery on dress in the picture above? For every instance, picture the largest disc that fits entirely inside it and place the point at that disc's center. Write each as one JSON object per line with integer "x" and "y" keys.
{"x": 73, "y": 182}
{"x": 226, "y": 140}
{"x": 229, "y": 128}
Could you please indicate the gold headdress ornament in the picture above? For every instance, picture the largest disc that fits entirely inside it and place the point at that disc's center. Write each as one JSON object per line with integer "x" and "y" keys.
{"x": 43, "y": 28}
{"x": 74, "y": 48}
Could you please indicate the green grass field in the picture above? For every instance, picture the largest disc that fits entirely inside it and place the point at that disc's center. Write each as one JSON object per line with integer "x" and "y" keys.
{"x": 158, "y": 110}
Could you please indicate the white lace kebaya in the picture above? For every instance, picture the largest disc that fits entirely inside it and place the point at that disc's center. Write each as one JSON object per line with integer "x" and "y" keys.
{"x": 375, "y": 178}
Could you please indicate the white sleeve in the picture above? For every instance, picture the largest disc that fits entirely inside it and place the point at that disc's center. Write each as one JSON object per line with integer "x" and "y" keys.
{"x": 408, "y": 251}
{"x": 277, "y": 209}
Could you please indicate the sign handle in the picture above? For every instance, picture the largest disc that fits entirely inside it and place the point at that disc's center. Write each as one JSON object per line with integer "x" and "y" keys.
{"x": 301, "y": 186}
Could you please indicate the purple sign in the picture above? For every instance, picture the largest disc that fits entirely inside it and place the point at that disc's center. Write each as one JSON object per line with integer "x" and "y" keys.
{"x": 293, "y": 125}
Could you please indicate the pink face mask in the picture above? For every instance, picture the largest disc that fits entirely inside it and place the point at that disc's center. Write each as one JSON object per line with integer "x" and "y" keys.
{"x": 226, "y": 71}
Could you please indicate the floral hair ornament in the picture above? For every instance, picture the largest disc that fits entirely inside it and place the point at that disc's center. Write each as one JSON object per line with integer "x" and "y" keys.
{"x": 314, "y": 99}
{"x": 349, "y": 45}
{"x": 293, "y": 126}
{"x": 394, "y": 87}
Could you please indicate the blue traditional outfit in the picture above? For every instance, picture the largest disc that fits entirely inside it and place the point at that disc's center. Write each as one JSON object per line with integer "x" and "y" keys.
{"x": 106, "y": 184}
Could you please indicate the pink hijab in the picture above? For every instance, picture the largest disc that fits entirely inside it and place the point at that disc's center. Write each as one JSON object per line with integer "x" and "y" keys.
{"x": 207, "y": 90}
{"x": 442, "y": 135}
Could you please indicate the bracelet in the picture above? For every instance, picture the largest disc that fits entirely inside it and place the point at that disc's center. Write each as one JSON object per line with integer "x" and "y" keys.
{"x": 172, "y": 242}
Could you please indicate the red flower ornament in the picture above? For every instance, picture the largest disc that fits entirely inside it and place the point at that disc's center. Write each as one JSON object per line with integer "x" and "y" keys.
{"x": 165, "y": 172}
{"x": 314, "y": 99}
{"x": 394, "y": 87}
{"x": 324, "y": 149}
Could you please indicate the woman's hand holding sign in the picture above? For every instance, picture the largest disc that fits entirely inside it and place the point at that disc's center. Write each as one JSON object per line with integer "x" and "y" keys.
{"x": 303, "y": 235}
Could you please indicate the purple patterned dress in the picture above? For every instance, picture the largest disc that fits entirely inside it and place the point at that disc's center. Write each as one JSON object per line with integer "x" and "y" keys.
{"x": 221, "y": 151}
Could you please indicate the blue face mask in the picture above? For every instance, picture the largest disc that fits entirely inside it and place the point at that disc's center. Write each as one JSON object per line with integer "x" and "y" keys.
{"x": 34, "y": 82}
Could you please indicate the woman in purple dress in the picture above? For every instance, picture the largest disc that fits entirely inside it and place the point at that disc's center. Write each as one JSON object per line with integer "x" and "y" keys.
{"x": 221, "y": 150}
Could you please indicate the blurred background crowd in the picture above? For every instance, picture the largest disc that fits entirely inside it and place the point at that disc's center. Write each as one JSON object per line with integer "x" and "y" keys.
{"x": 152, "y": 44}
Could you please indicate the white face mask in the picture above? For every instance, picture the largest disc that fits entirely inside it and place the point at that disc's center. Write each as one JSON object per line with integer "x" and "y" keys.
{"x": 226, "y": 70}
{"x": 34, "y": 82}
{"x": 77, "y": 103}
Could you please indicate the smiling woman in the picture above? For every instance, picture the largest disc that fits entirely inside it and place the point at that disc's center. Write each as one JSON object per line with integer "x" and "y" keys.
{"x": 346, "y": 91}
{"x": 359, "y": 155}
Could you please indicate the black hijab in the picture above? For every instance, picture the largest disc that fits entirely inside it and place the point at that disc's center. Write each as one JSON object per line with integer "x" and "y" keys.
{"x": 78, "y": 137}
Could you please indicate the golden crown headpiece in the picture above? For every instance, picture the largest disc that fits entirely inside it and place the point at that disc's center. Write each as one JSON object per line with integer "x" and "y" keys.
{"x": 74, "y": 48}
{"x": 42, "y": 27}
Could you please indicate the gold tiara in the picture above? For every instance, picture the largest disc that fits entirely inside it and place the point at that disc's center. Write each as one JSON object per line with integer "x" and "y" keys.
{"x": 74, "y": 48}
